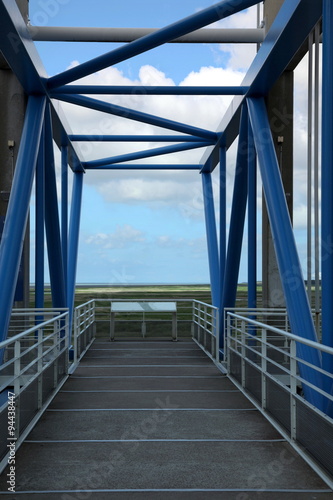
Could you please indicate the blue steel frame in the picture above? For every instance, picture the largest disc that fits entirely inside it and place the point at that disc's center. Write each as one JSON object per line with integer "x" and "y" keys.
{"x": 44, "y": 123}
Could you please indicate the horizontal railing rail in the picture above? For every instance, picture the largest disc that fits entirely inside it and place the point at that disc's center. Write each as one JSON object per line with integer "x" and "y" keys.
{"x": 83, "y": 330}
{"x": 35, "y": 365}
{"x": 263, "y": 361}
{"x": 205, "y": 328}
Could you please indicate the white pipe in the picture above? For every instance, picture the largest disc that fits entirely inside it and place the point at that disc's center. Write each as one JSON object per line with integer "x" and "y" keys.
{"x": 78, "y": 34}
{"x": 316, "y": 176}
{"x": 309, "y": 165}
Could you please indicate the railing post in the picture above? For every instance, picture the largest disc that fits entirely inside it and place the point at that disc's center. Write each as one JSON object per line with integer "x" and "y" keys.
{"x": 243, "y": 352}
{"x": 75, "y": 339}
{"x": 205, "y": 327}
{"x": 228, "y": 342}
{"x": 293, "y": 389}
{"x": 40, "y": 368}
{"x": 56, "y": 349}
{"x": 217, "y": 334}
{"x": 263, "y": 368}
{"x": 17, "y": 372}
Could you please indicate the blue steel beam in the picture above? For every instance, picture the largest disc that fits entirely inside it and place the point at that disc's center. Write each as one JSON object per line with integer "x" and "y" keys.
{"x": 203, "y": 18}
{"x": 148, "y": 166}
{"x": 40, "y": 218}
{"x": 18, "y": 207}
{"x": 64, "y": 208}
{"x": 298, "y": 308}
{"x": 252, "y": 223}
{"x": 135, "y": 138}
{"x": 138, "y": 155}
{"x": 74, "y": 230}
{"x": 237, "y": 220}
{"x": 153, "y": 90}
{"x": 281, "y": 44}
{"x": 213, "y": 253}
{"x": 327, "y": 186}
{"x": 223, "y": 228}
{"x": 52, "y": 225}
{"x": 132, "y": 114}
{"x": 19, "y": 49}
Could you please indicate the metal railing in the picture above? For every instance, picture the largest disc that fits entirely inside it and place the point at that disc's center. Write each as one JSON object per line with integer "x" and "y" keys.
{"x": 83, "y": 331}
{"x": 263, "y": 362}
{"x": 34, "y": 367}
{"x": 129, "y": 325}
{"x": 205, "y": 328}
{"x": 194, "y": 318}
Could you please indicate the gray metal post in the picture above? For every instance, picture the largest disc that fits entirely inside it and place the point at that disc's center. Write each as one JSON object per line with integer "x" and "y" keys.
{"x": 280, "y": 111}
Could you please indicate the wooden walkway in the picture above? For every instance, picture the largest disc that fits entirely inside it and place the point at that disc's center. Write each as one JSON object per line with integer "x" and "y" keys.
{"x": 157, "y": 420}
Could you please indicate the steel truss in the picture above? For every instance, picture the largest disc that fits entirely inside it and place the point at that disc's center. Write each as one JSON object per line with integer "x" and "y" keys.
{"x": 246, "y": 118}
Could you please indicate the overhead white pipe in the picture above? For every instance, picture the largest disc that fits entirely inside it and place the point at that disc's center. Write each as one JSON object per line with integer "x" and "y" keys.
{"x": 79, "y": 34}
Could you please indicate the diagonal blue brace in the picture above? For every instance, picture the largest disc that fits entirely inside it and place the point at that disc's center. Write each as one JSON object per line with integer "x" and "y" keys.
{"x": 213, "y": 253}
{"x": 135, "y": 115}
{"x": 40, "y": 219}
{"x": 203, "y": 18}
{"x": 74, "y": 231}
{"x": 138, "y": 155}
{"x": 298, "y": 308}
{"x": 52, "y": 224}
{"x": 18, "y": 208}
{"x": 237, "y": 220}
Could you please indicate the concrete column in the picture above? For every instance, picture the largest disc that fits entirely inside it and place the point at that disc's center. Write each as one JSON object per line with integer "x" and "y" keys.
{"x": 280, "y": 112}
{"x": 12, "y": 112}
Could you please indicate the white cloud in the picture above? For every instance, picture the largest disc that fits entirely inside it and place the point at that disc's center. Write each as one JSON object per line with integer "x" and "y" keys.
{"x": 120, "y": 238}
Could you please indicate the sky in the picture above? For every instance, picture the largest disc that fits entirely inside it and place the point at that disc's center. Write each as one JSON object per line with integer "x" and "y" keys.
{"x": 148, "y": 227}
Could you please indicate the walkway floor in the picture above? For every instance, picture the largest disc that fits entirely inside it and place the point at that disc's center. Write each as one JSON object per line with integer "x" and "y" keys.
{"x": 157, "y": 420}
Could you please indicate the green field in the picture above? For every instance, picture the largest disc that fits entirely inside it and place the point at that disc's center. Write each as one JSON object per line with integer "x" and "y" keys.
{"x": 85, "y": 293}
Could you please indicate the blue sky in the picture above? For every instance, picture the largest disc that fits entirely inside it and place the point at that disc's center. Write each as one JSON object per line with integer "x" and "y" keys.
{"x": 146, "y": 227}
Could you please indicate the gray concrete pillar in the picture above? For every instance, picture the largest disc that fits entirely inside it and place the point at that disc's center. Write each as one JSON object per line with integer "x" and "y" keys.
{"x": 12, "y": 111}
{"x": 280, "y": 111}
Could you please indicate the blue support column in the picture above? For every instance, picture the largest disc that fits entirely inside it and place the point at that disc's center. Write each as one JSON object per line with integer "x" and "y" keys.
{"x": 18, "y": 208}
{"x": 64, "y": 208}
{"x": 52, "y": 222}
{"x": 213, "y": 255}
{"x": 40, "y": 217}
{"x": 327, "y": 187}
{"x": 74, "y": 229}
{"x": 223, "y": 227}
{"x": 237, "y": 220}
{"x": 252, "y": 223}
{"x": 286, "y": 252}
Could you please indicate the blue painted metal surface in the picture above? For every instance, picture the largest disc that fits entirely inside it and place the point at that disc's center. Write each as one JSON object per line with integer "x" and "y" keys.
{"x": 144, "y": 154}
{"x": 213, "y": 252}
{"x": 327, "y": 186}
{"x": 133, "y": 114}
{"x": 148, "y": 166}
{"x": 18, "y": 207}
{"x": 19, "y": 49}
{"x": 40, "y": 218}
{"x": 252, "y": 223}
{"x": 164, "y": 35}
{"x": 223, "y": 229}
{"x": 237, "y": 219}
{"x": 64, "y": 208}
{"x": 298, "y": 308}
{"x": 292, "y": 25}
{"x": 74, "y": 231}
{"x": 144, "y": 90}
{"x": 136, "y": 138}
{"x": 52, "y": 224}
